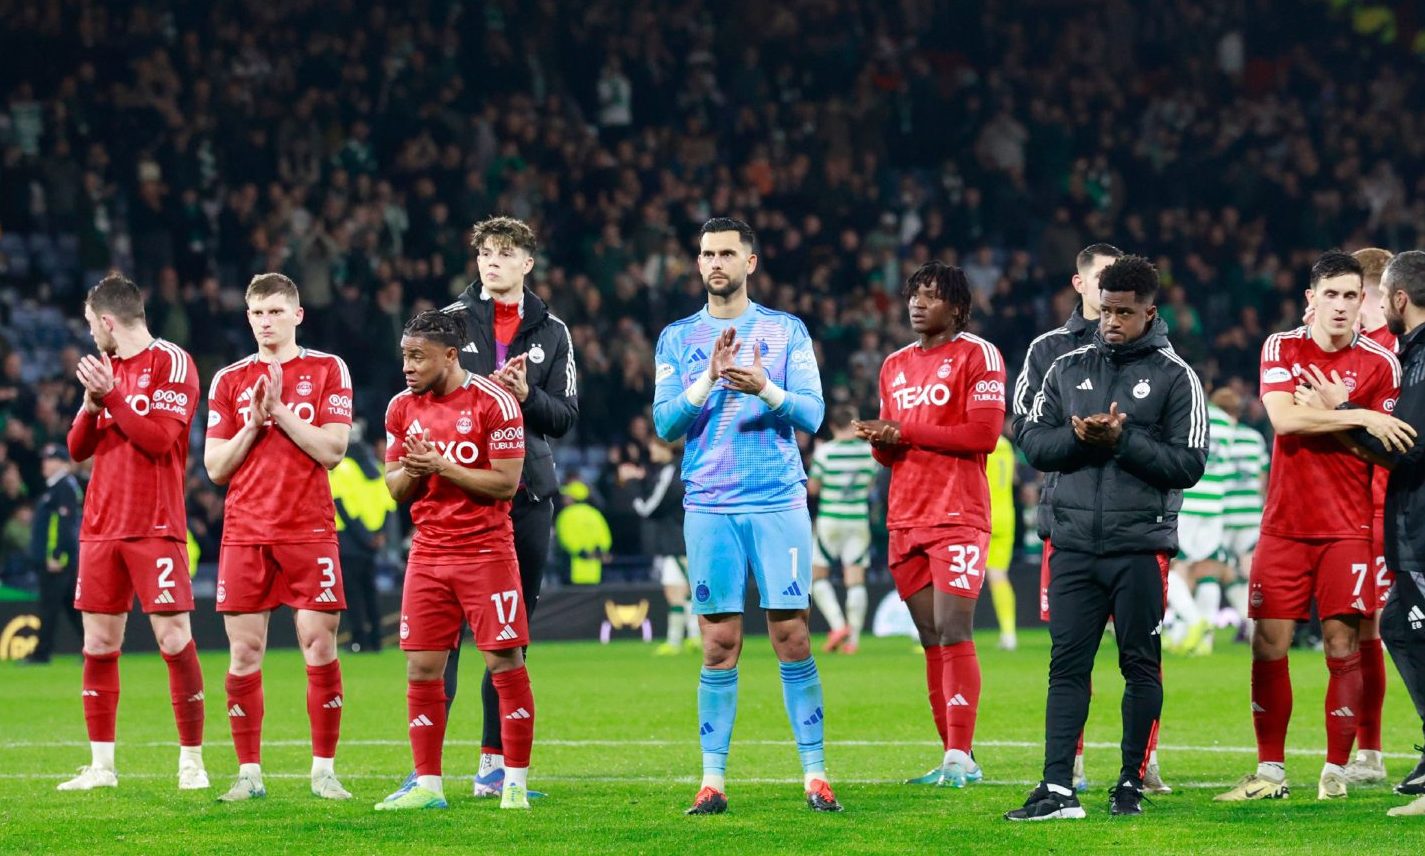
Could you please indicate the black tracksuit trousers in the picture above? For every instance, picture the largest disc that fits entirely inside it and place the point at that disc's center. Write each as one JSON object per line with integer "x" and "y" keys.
{"x": 1402, "y": 626}
{"x": 1084, "y": 591}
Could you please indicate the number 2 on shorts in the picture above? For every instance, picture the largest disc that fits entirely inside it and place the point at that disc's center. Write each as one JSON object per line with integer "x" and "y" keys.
{"x": 165, "y": 573}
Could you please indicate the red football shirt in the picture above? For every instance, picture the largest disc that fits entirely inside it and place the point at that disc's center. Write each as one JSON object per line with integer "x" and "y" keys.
{"x": 1380, "y": 476}
{"x": 133, "y": 494}
{"x": 280, "y": 494}
{"x": 940, "y": 387}
{"x": 471, "y": 426}
{"x": 1317, "y": 489}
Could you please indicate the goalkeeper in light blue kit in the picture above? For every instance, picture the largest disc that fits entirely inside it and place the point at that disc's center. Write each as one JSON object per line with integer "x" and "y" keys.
{"x": 739, "y": 380}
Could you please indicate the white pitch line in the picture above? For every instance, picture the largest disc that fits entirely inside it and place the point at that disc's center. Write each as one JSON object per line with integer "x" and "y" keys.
{"x": 989, "y": 744}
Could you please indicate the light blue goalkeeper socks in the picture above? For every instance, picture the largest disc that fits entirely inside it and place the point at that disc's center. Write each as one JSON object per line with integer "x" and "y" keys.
{"x": 801, "y": 690}
{"x": 717, "y": 710}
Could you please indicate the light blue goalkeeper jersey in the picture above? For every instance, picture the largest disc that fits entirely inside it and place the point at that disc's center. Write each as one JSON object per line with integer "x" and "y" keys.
{"x": 741, "y": 455}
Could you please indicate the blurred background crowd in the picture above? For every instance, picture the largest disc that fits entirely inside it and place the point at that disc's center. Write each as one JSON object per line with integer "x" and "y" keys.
{"x": 351, "y": 145}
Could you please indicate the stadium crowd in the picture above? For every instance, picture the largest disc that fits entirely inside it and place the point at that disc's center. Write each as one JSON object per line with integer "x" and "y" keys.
{"x": 197, "y": 144}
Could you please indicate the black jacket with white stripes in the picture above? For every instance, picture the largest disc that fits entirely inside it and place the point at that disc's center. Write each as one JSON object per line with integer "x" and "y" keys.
{"x": 1043, "y": 351}
{"x": 553, "y": 402}
{"x": 1125, "y": 499}
{"x": 660, "y": 505}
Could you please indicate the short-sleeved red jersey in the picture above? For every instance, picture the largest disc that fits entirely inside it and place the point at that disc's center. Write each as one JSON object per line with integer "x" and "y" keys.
{"x": 280, "y": 494}
{"x": 940, "y": 387}
{"x": 1380, "y": 476}
{"x": 1317, "y": 489}
{"x": 133, "y": 494}
{"x": 471, "y": 426}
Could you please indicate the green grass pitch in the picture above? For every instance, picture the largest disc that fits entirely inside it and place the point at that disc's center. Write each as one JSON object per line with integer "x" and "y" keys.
{"x": 616, "y": 749}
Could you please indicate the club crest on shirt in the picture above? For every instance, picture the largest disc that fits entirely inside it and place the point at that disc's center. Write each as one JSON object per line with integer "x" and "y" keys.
{"x": 536, "y": 354}
{"x": 464, "y": 424}
{"x": 1142, "y": 389}
{"x": 1349, "y": 379}
{"x": 304, "y": 385}
{"x": 144, "y": 381}
{"x": 762, "y": 347}
{"x": 944, "y": 370}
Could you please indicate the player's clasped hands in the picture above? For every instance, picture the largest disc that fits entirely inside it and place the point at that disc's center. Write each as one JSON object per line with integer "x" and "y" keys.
{"x": 513, "y": 376}
{"x": 97, "y": 376}
{"x": 746, "y": 379}
{"x": 1101, "y": 429}
{"x": 421, "y": 458}
{"x": 880, "y": 432}
{"x": 1316, "y": 390}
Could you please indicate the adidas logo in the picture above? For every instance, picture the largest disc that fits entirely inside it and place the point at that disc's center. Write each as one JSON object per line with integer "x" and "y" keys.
{"x": 245, "y": 395}
{"x": 327, "y": 596}
{"x": 164, "y": 597}
{"x": 1415, "y": 617}
{"x": 1087, "y": 384}
{"x": 507, "y": 634}
{"x": 89, "y": 693}
{"x": 334, "y": 704}
{"x": 957, "y": 701}
{"x": 198, "y": 696}
{"x": 1343, "y": 711}
{"x": 814, "y": 718}
{"x": 421, "y": 721}
{"x": 1157, "y": 631}
{"x": 1257, "y": 708}
{"x": 236, "y": 711}
{"x": 415, "y": 427}
{"x": 793, "y": 590}
{"x": 706, "y": 728}
{"x": 900, "y": 379}
{"x": 699, "y": 355}
{"x": 470, "y": 348}
{"x": 1359, "y": 604}
{"x": 519, "y": 714}
{"x": 960, "y": 582}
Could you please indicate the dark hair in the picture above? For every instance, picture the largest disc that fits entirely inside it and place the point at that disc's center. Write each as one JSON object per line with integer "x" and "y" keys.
{"x": 1406, "y": 272}
{"x": 505, "y": 232}
{"x": 116, "y": 295}
{"x": 1131, "y": 273}
{"x": 731, "y": 224}
{"x": 1096, "y": 251}
{"x": 842, "y": 415}
{"x": 950, "y": 285}
{"x": 1336, "y": 263}
{"x": 438, "y": 327}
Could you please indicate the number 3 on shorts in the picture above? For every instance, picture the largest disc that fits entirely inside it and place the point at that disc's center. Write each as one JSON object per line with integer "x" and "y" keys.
{"x": 328, "y": 572}
{"x": 964, "y": 559}
{"x": 505, "y": 614}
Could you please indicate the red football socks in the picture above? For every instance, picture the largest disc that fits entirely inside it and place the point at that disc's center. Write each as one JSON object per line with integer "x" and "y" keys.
{"x": 960, "y": 684}
{"x": 1343, "y": 702}
{"x": 425, "y": 705}
{"x": 516, "y": 715}
{"x": 324, "y": 700}
{"x": 1372, "y": 695}
{"x": 934, "y": 674}
{"x": 1271, "y": 708}
{"x": 185, "y": 689}
{"x": 245, "y": 707}
{"x": 101, "y": 695}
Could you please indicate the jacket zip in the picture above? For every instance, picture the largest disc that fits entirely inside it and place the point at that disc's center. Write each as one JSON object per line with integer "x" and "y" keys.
{"x": 1098, "y": 478}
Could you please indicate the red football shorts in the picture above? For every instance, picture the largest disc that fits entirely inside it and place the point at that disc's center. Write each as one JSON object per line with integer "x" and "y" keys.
{"x": 1044, "y": 580}
{"x": 112, "y": 572}
{"x": 436, "y": 599}
{"x": 1288, "y": 572}
{"x": 261, "y": 577}
{"x": 1385, "y": 577}
{"x": 952, "y": 558}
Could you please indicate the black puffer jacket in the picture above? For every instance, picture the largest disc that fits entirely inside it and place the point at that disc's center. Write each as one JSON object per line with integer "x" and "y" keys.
{"x": 1126, "y": 499}
{"x": 553, "y": 402}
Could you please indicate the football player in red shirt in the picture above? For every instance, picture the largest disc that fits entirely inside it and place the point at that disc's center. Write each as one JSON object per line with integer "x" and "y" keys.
{"x": 139, "y": 398}
{"x": 942, "y": 408}
{"x": 277, "y": 421}
{"x": 1315, "y": 542}
{"x": 1369, "y": 765}
{"x": 455, "y": 450}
